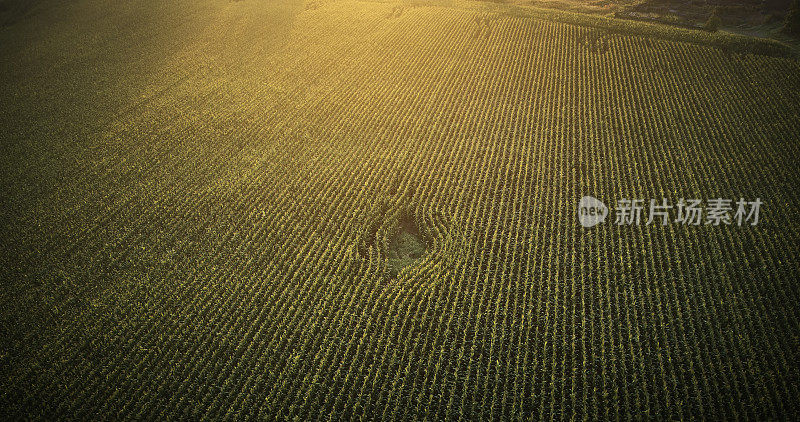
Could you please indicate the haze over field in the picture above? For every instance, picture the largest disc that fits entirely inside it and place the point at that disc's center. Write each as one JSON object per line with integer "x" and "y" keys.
{"x": 309, "y": 209}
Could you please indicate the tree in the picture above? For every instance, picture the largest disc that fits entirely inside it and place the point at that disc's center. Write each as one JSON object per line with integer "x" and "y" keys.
{"x": 713, "y": 22}
{"x": 792, "y": 23}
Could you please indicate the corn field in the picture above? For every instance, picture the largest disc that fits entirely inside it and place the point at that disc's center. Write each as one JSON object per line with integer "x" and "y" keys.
{"x": 367, "y": 210}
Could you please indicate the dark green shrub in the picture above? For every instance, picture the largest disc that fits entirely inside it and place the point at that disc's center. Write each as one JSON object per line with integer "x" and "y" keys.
{"x": 792, "y": 24}
{"x": 713, "y": 22}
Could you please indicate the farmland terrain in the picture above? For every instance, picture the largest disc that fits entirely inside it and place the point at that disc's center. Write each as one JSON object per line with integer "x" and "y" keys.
{"x": 309, "y": 209}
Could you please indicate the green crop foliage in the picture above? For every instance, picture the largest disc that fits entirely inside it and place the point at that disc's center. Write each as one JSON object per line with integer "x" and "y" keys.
{"x": 287, "y": 210}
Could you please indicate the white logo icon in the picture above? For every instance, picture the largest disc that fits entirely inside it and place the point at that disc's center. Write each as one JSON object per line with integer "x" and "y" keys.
{"x": 591, "y": 211}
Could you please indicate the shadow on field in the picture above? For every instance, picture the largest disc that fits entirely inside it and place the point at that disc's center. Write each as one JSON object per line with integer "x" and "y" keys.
{"x": 12, "y": 11}
{"x": 71, "y": 70}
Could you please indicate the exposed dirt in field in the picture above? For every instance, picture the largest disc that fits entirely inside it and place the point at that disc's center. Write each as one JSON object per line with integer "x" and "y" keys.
{"x": 406, "y": 246}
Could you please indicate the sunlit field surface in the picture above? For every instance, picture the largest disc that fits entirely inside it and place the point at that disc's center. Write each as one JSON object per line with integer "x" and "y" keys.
{"x": 302, "y": 210}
